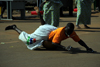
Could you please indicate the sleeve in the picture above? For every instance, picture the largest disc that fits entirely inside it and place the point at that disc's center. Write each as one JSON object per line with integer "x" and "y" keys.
{"x": 56, "y": 38}
{"x": 75, "y": 37}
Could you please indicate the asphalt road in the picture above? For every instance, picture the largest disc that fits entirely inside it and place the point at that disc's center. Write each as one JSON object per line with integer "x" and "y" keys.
{"x": 14, "y": 53}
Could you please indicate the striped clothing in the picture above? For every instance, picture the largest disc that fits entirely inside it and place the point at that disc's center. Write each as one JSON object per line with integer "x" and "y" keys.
{"x": 84, "y": 12}
{"x": 52, "y": 12}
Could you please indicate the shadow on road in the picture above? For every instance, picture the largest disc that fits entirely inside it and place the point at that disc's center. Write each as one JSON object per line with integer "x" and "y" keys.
{"x": 92, "y": 29}
{"x": 78, "y": 50}
{"x": 72, "y": 51}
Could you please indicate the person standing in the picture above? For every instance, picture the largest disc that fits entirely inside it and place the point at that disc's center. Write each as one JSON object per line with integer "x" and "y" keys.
{"x": 52, "y": 11}
{"x": 83, "y": 13}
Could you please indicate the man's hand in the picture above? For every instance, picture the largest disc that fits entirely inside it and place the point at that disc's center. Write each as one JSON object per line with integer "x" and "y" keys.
{"x": 90, "y": 50}
{"x": 67, "y": 48}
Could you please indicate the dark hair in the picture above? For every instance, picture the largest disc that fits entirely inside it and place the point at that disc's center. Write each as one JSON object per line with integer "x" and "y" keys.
{"x": 70, "y": 25}
{"x": 69, "y": 28}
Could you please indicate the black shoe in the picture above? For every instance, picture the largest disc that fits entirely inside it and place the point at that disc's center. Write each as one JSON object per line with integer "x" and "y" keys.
{"x": 10, "y": 27}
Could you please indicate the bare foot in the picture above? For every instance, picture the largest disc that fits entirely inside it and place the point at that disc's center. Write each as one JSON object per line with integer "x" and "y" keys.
{"x": 78, "y": 27}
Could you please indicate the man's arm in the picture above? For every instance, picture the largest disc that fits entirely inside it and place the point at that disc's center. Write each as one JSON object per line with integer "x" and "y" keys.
{"x": 82, "y": 43}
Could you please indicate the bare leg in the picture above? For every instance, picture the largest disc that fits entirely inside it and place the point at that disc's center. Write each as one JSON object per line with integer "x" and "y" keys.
{"x": 13, "y": 27}
{"x": 48, "y": 45}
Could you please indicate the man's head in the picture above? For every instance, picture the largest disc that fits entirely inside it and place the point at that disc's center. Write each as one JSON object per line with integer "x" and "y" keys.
{"x": 69, "y": 28}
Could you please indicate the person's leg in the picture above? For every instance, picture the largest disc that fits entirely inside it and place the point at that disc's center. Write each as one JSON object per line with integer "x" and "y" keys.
{"x": 13, "y": 27}
{"x": 48, "y": 45}
{"x": 39, "y": 14}
{"x": 78, "y": 19}
{"x": 55, "y": 17}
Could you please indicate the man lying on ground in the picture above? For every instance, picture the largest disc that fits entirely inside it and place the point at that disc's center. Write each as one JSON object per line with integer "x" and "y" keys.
{"x": 48, "y": 35}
